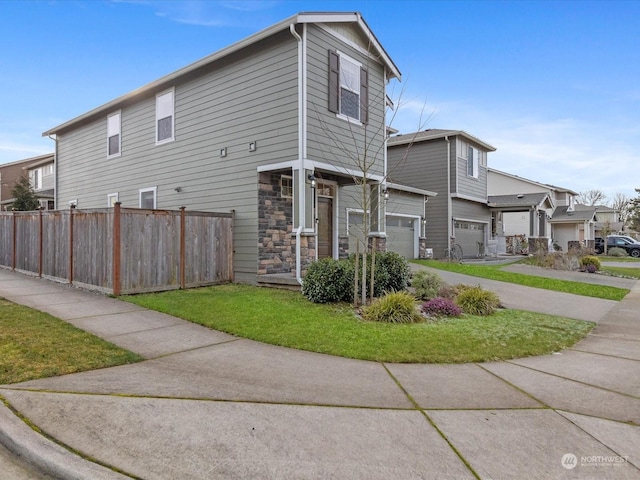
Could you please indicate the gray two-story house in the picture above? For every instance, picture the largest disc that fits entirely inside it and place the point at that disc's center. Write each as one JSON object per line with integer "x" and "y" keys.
{"x": 452, "y": 164}
{"x": 282, "y": 128}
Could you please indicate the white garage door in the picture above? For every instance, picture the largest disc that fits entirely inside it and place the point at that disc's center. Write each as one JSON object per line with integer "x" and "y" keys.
{"x": 468, "y": 234}
{"x": 401, "y": 236}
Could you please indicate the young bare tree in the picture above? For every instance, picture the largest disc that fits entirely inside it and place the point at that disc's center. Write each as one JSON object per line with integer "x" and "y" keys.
{"x": 591, "y": 197}
{"x": 621, "y": 203}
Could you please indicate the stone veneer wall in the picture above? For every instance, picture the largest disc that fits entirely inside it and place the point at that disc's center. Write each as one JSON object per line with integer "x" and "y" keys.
{"x": 276, "y": 239}
{"x": 276, "y": 248}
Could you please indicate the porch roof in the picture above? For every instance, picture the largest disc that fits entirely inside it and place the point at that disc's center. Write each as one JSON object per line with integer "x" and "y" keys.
{"x": 520, "y": 200}
{"x": 564, "y": 215}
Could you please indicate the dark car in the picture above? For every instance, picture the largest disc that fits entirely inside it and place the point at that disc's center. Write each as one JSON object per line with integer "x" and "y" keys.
{"x": 631, "y": 246}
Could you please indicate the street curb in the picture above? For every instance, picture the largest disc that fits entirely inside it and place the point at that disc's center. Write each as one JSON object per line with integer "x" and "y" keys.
{"x": 46, "y": 456}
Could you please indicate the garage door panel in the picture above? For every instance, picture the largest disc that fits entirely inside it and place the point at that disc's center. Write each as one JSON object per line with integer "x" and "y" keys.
{"x": 468, "y": 234}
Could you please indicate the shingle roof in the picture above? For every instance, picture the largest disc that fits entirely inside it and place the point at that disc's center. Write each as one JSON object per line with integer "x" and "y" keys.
{"x": 521, "y": 200}
{"x": 433, "y": 134}
{"x": 562, "y": 214}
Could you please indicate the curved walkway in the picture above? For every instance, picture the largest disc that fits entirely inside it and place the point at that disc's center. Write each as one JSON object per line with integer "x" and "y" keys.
{"x": 209, "y": 405}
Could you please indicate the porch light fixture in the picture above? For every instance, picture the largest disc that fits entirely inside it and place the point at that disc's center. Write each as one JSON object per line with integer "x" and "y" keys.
{"x": 385, "y": 194}
{"x": 424, "y": 221}
{"x": 223, "y": 152}
{"x": 253, "y": 146}
{"x": 312, "y": 180}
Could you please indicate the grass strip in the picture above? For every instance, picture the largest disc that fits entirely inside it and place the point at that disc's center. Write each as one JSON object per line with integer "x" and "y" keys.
{"x": 35, "y": 345}
{"x": 286, "y": 318}
{"x": 494, "y": 272}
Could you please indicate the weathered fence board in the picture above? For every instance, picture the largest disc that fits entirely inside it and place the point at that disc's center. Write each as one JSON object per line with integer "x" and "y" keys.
{"x": 119, "y": 250}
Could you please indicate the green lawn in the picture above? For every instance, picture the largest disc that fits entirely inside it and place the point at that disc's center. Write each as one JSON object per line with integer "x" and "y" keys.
{"x": 286, "y": 318}
{"x": 36, "y": 345}
{"x": 494, "y": 272}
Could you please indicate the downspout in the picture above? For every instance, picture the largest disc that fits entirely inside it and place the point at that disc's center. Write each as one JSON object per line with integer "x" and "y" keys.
{"x": 55, "y": 171}
{"x": 449, "y": 208}
{"x": 301, "y": 150}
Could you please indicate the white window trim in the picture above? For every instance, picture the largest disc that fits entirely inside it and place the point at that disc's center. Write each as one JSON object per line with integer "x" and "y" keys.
{"x": 173, "y": 116}
{"x": 289, "y": 177}
{"x": 119, "y": 133}
{"x": 110, "y": 196}
{"x": 342, "y": 116}
{"x": 145, "y": 190}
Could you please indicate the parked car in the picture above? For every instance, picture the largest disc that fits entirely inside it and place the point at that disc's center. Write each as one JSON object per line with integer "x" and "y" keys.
{"x": 629, "y": 244}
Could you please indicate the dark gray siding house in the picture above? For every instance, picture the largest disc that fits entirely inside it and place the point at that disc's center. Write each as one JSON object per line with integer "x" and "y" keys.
{"x": 452, "y": 164}
{"x": 274, "y": 127}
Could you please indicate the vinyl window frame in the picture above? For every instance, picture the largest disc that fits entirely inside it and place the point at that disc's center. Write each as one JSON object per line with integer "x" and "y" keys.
{"x": 165, "y": 108}
{"x": 114, "y": 127}
{"x": 111, "y": 196}
{"x": 338, "y": 65}
{"x": 153, "y": 190}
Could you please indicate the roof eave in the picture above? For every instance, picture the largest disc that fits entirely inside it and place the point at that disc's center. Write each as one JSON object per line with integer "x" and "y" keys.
{"x": 327, "y": 17}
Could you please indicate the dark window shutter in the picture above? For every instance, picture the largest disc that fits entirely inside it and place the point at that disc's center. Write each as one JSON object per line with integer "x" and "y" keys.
{"x": 364, "y": 96}
{"x": 334, "y": 81}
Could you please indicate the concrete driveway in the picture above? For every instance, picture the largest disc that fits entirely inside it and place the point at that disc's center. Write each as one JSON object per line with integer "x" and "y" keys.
{"x": 209, "y": 405}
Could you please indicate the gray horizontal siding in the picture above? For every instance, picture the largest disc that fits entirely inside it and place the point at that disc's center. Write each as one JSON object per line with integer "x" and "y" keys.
{"x": 333, "y": 140}
{"x": 470, "y": 211}
{"x": 251, "y": 97}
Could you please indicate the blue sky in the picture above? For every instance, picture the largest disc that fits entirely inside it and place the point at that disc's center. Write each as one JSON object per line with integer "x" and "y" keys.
{"x": 554, "y": 86}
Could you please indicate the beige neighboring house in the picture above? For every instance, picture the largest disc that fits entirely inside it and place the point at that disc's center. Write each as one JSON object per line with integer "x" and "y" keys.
{"x": 41, "y": 173}
{"x": 607, "y": 221}
{"x": 543, "y": 213}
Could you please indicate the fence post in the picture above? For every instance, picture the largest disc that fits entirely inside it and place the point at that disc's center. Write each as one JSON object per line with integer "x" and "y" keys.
{"x": 183, "y": 253}
{"x": 40, "y": 242}
{"x": 116, "y": 249}
{"x": 71, "y": 210}
{"x": 230, "y": 237}
{"x": 13, "y": 249}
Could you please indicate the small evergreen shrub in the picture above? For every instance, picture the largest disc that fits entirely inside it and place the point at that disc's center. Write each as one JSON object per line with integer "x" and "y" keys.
{"x": 441, "y": 307}
{"x": 394, "y": 307}
{"x": 477, "y": 301}
{"x": 327, "y": 281}
{"x": 589, "y": 260}
{"x": 617, "y": 252}
{"x": 426, "y": 284}
{"x": 397, "y": 268}
{"x": 381, "y": 279}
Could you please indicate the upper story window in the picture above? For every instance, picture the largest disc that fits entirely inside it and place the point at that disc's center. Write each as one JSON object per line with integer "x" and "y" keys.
{"x": 113, "y": 135}
{"x": 148, "y": 197}
{"x": 348, "y": 87}
{"x": 164, "y": 117}
{"x": 36, "y": 178}
{"x": 473, "y": 159}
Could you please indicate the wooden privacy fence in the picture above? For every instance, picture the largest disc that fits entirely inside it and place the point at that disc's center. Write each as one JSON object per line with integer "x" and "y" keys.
{"x": 120, "y": 250}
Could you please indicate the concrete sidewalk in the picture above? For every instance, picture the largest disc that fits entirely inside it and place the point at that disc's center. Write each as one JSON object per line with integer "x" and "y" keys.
{"x": 209, "y": 405}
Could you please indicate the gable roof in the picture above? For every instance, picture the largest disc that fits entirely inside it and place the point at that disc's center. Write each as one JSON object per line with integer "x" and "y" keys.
{"x": 546, "y": 186}
{"x": 519, "y": 200}
{"x": 564, "y": 215}
{"x": 434, "y": 134}
{"x": 301, "y": 18}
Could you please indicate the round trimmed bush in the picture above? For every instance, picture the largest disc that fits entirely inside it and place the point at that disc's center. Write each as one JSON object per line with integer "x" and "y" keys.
{"x": 478, "y": 301}
{"x": 426, "y": 284}
{"x": 617, "y": 252}
{"x": 328, "y": 281}
{"x": 394, "y": 307}
{"x": 398, "y": 271}
{"x": 585, "y": 262}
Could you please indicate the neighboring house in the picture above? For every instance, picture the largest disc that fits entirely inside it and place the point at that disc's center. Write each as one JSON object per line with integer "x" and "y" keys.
{"x": 40, "y": 171}
{"x": 607, "y": 221}
{"x": 546, "y": 215}
{"x": 453, "y": 164}
{"x": 275, "y": 127}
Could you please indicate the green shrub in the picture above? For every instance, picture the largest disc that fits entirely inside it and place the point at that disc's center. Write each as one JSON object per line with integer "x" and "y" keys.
{"x": 477, "y": 301}
{"x": 426, "y": 284}
{"x": 382, "y": 278}
{"x": 394, "y": 307}
{"x": 398, "y": 271}
{"x": 589, "y": 260}
{"x": 617, "y": 252}
{"x": 328, "y": 281}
